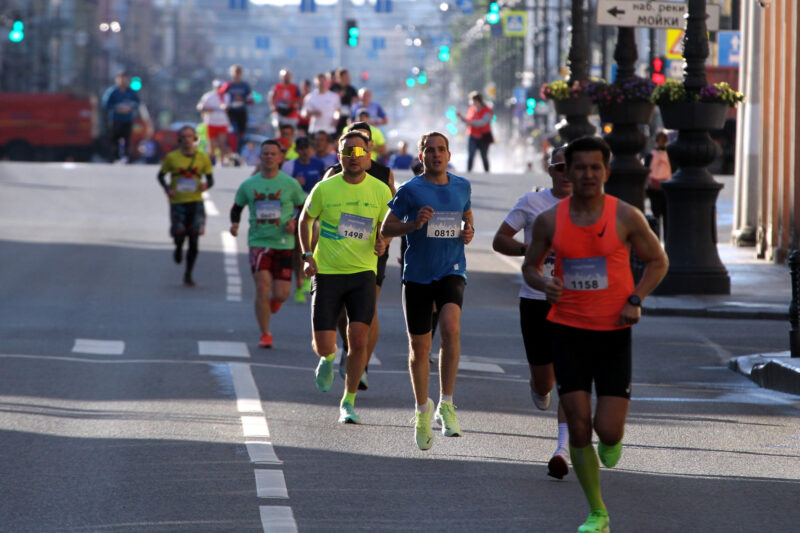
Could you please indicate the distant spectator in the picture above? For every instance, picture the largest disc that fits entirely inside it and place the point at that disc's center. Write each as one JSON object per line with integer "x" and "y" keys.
{"x": 324, "y": 150}
{"x": 479, "y": 128}
{"x": 236, "y": 95}
{"x": 378, "y": 140}
{"x": 121, "y": 102}
{"x": 349, "y": 97}
{"x": 303, "y": 122}
{"x": 660, "y": 171}
{"x": 376, "y": 112}
{"x": 401, "y": 160}
{"x": 285, "y": 100}
{"x": 216, "y": 121}
{"x": 321, "y": 106}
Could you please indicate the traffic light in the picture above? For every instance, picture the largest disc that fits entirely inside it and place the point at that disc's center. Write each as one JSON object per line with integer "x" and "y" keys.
{"x": 410, "y": 82}
{"x": 136, "y": 83}
{"x": 351, "y": 33}
{"x": 17, "y": 32}
{"x": 493, "y": 16}
{"x": 444, "y": 53}
{"x": 422, "y": 79}
{"x": 530, "y": 105}
{"x": 657, "y": 70}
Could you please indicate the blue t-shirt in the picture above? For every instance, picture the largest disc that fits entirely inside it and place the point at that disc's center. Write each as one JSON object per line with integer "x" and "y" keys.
{"x": 400, "y": 161}
{"x": 121, "y": 105}
{"x": 374, "y": 110}
{"x": 435, "y": 251}
{"x": 312, "y": 172}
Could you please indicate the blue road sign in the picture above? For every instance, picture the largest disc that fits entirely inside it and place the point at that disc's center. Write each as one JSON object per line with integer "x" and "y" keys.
{"x": 729, "y": 46}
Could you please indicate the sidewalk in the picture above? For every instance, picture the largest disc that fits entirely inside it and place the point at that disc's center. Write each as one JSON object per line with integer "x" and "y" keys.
{"x": 759, "y": 291}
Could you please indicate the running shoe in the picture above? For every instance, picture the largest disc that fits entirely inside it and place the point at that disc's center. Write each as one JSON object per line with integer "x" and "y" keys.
{"x": 347, "y": 414}
{"x": 558, "y": 467}
{"x": 541, "y": 401}
{"x": 323, "y": 375}
{"x": 363, "y": 384}
{"x": 188, "y": 281}
{"x": 265, "y": 341}
{"x": 446, "y": 417}
{"x": 343, "y": 363}
{"x": 306, "y": 284}
{"x": 177, "y": 255}
{"x": 609, "y": 455}
{"x": 423, "y": 433}
{"x": 597, "y": 522}
{"x": 299, "y": 296}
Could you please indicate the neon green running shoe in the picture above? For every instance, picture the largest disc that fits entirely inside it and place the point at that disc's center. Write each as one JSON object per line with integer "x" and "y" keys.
{"x": 609, "y": 455}
{"x": 422, "y": 427}
{"x": 347, "y": 414}
{"x": 299, "y": 296}
{"x": 323, "y": 375}
{"x": 446, "y": 417}
{"x": 597, "y": 522}
{"x": 307, "y": 285}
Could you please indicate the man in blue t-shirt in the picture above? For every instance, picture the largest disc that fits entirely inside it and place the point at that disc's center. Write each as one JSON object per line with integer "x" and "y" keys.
{"x": 236, "y": 95}
{"x": 121, "y": 102}
{"x": 401, "y": 160}
{"x": 434, "y": 212}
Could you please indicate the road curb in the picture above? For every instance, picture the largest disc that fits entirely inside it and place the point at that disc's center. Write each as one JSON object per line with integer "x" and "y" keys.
{"x": 699, "y": 312}
{"x": 770, "y": 371}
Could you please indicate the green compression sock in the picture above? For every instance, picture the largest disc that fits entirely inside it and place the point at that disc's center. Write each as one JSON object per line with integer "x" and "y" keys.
{"x": 587, "y": 468}
{"x": 349, "y": 397}
{"x": 609, "y": 455}
{"x": 331, "y": 357}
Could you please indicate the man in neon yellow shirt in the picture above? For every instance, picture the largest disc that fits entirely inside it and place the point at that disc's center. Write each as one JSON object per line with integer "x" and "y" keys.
{"x": 186, "y": 167}
{"x": 349, "y": 207}
{"x": 271, "y": 197}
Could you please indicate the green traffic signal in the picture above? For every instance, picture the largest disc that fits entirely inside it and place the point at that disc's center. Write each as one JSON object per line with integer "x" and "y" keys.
{"x": 444, "y": 53}
{"x": 17, "y": 32}
{"x": 136, "y": 83}
{"x": 493, "y": 16}
{"x": 422, "y": 79}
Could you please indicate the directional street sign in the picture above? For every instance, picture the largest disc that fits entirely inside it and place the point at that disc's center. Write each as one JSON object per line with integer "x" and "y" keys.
{"x": 514, "y": 23}
{"x": 650, "y": 14}
{"x": 729, "y": 49}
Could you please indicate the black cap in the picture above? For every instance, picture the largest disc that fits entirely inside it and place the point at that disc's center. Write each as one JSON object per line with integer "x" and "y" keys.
{"x": 364, "y": 126}
{"x": 362, "y": 111}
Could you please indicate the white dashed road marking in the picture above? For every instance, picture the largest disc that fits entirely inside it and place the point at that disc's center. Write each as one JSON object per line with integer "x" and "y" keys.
{"x": 480, "y": 367}
{"x": 277, "y": 519}
{"x": 99, "y": 347}
{"x": 230, "y": 249}
{"x": 262, "y": 453}
{"x": 271, "y": 484}
{"x": 223, "y": 348}
{"x": 211, "y": 209}
{"x": 255, "y": 427}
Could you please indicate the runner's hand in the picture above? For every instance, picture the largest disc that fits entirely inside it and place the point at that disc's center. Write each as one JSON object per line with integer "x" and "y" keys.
{"x": 467, "y": 233}
{"x": 380, "y": 247}
{"x": 171, "y": 193}
{"x": 553, "y": 290}
{"x": 310, "y": 268}
{"x": 235, "y": 229}
{"x": 290, "y": 226}
{"x": 630, "y": 315}
{"x": 423, "y": 216}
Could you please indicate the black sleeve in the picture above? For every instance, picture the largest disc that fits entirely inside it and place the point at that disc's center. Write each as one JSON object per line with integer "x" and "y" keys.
{"x": 209, "y": 181}
{"x": 236, "y": 213}
{"x": 163, "y": 181}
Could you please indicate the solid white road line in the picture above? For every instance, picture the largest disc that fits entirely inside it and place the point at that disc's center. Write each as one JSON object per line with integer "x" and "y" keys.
{"x": 262, "y": 453}
{"x": 223, "y": 348}
{"x": 229, "y": 243}
{"x": 271, "y": 484}
{"x": 244, "y": 385}
{"x": 99, "y": 347}
{"x": 255, "y": 427}
{"x": 211, "y": 209}
{"x": 374, "y": 361}
{"x": 480, "y": 367}
{"x": 277, "y": 519}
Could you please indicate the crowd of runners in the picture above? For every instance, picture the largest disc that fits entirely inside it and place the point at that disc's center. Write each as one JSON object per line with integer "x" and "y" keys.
{"x": 331, "y": 221}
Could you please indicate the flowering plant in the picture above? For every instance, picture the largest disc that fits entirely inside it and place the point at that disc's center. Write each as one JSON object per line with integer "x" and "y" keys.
{"x": 635, "y": 89}
{"x": 563, "y": 90}
{"x": 673, "y": 91}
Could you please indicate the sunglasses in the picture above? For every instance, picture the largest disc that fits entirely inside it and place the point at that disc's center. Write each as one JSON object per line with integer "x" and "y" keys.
{"x": 558, "y": 166}
{"x": 353, "y": 151}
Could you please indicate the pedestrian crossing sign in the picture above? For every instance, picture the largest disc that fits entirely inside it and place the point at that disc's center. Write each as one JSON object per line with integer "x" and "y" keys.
{"x": 514, "y": 23}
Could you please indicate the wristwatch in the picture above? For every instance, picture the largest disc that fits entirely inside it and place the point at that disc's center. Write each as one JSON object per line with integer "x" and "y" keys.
{"x": 523, "y": 250}
{"x": 306, "y": 255}
{"x": 635, "y": 300}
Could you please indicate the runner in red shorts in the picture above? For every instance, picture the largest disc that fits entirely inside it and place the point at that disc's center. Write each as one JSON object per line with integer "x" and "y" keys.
{"x": 273, "y": 199}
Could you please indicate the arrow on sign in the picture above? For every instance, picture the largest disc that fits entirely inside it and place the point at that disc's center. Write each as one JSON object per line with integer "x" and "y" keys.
{"x": 614, "y": 11}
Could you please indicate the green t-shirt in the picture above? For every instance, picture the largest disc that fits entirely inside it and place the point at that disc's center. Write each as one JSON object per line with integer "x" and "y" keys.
{"x": 186, "y": 175}
{"x": 348, "y": 215}
{"x": 271, "y": 203}
{"x": 377, "y": 139}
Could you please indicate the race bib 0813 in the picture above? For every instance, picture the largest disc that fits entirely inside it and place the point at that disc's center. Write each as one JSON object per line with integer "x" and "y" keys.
{"x": 445, "y": 225}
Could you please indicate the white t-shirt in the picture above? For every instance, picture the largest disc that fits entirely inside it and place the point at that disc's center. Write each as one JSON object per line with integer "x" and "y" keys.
{"x": 217, "y": 117}
{"x": 521, "y": 217}
{"x": 327, "y": 104}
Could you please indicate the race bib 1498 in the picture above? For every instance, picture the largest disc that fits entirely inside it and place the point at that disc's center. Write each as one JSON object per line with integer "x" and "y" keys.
{"x": 355, "y": 227}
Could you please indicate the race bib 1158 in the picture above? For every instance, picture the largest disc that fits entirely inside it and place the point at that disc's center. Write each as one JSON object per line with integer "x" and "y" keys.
{"x": 585, "y": 274}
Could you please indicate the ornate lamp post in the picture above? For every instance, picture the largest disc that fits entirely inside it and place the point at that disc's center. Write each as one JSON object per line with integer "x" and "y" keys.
{"x": 576, "y": 124}
{"x": 691, "y": 233}
{"x": 628, "y": 175}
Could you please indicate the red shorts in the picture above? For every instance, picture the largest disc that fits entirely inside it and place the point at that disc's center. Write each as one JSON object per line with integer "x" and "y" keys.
{"x": 276, "y": 262}
{"x": 215, "y": 131}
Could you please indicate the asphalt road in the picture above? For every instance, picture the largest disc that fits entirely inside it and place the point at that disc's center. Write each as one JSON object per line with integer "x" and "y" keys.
{"x": 130, "y": 403}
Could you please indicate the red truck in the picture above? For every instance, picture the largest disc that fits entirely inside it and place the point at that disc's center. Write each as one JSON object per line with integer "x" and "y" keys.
{"x": 56, "y": 127}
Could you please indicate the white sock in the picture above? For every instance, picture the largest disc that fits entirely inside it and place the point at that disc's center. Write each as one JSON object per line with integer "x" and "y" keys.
{"x": 563, "y": 436}
{"x": 445, "y": 398}
{"x": 422, "y": 408}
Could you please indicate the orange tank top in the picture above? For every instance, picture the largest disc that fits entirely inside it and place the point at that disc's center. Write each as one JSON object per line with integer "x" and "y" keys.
{"x": 595, "y": 268}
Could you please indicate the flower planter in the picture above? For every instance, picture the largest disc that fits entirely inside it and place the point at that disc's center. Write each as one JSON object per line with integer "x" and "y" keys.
{"x": 694, "y": 115}
{"x": 575, "y": 106}
{"x": 627, "y": 112}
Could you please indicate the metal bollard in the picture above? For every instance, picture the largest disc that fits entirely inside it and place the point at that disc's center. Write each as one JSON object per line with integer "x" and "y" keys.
{"x": 794, "y": 306}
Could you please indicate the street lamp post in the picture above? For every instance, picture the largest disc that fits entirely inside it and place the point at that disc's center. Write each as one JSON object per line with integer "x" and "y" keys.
{"x": 576, "y": 124}
{"x": 691, "y": 233}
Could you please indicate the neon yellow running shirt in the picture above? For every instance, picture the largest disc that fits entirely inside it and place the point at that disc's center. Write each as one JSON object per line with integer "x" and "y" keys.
{"x": 348, "y": 215}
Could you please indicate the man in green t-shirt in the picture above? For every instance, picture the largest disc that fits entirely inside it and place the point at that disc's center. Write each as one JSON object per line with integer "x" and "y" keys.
{"x": 272, "y": 198}
{"x": 349, "y": 207}
{"x": 186, "y": 167}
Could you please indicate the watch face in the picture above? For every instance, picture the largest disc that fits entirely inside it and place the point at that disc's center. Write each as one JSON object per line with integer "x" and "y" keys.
{"x": 634, "y": 300}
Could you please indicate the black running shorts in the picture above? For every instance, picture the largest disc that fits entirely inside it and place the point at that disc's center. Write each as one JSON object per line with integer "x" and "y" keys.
{"x": 536, "y": 331}
{"x": 382, "y": 260}
{"x": 581, "y": 356}
{"x": 331, "y": 292}
{"x": 418, "y": 300}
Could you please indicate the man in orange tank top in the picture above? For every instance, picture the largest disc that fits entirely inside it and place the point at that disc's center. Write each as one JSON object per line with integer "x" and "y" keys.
{"x": 594, "y": 304}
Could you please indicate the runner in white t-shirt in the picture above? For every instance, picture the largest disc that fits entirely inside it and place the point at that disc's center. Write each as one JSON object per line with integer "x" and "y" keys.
{"x": 322, "y": 107}
{"x": 216, "y": 120}
{"x": 533, "y": 306}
